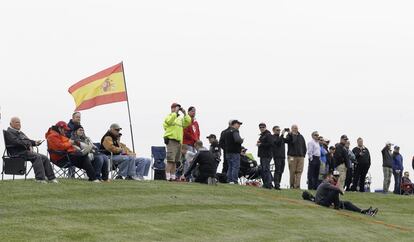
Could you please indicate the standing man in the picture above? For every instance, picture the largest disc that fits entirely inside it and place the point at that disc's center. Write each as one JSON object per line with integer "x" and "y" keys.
{"x": 174, "y": 126}
{"x": 387, "y": 166}
{"x": 75, "y": 121}
{"x": 314, "y": 154}
{"x": 363, "y": 163}
{"x": 351, "y": 163}
{"x": 397, "y": 169}
{"x": 22, "y": 146}
{"x": 214, "y": 147}
{"x": 222, "y": 143}
{"x": 341, "y": 159}
{"x": 296, "y": 156}
{"x": 265, "y": 154}
{"x": 233, "y": 143}
{"x": 279, "y": 155}
{"x": 192, "y": 132}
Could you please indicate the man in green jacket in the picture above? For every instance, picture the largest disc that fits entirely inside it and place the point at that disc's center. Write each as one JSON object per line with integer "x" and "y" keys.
{"x": 174, "y": 126}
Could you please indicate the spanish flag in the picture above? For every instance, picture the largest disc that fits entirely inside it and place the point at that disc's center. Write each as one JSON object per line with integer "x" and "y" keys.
{"x": 107, "y": 86}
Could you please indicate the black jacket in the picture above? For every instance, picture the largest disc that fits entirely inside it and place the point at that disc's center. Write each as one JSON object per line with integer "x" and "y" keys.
{"x": 207, "y": 165}
{"x": 331, "y": 162}
{"x": 265, "y": 147}
{"x": 233, "y": 141}
{"x": 341, "y": 155}
{"x": 362, "y": 155}
{"x": 278, "y": 147}
{"x": 296, "y": 145}
{"x": 386, "y": 157}
{"x": 222, "y": 140}
{"x": 17, "y": 143}
{"x": 216, "y": 151}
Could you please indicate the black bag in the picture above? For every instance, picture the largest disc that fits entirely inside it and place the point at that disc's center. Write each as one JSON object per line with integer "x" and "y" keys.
{"x": 221, "y": 177}
{"x": 308, "y": 196}
{"x": 160, "y": 175}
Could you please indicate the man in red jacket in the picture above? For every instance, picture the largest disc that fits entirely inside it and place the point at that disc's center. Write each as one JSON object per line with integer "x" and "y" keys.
{"x": 191, "y": 135}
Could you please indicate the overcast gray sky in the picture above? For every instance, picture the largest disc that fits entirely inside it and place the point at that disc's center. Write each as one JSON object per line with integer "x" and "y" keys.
{"x": 339, "y": 67}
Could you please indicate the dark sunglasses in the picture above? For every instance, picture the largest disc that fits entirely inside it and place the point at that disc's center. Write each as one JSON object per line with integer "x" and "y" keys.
{"x": 262, "y": 127}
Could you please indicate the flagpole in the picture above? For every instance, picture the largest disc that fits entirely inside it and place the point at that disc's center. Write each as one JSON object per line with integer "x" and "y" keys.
{"x": 129, "y": 111}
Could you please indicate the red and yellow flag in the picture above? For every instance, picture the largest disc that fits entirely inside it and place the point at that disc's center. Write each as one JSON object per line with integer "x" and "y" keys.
{"x": 107, "y": 86}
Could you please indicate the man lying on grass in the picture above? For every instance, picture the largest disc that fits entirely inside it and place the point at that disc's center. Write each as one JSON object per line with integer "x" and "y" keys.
{"x": 328, "y": 195}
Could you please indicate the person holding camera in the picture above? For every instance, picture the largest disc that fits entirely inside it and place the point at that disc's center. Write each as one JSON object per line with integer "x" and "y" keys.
{"x": 174, "y": 126}
{"x": 296, "y": 156}
{"x": 279, "y": 154}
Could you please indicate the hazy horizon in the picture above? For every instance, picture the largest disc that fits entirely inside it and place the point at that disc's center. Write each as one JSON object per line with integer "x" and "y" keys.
{"x": 335, "y": 67}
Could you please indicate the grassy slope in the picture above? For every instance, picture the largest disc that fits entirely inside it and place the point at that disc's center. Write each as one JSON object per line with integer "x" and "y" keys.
{"x": 161, "y": 211}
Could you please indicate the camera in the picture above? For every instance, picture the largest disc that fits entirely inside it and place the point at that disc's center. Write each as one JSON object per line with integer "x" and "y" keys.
{"x": 287, "y": 129}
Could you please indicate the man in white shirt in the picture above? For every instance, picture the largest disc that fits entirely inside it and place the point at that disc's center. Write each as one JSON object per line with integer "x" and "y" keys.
{"x": 314, "y": 155}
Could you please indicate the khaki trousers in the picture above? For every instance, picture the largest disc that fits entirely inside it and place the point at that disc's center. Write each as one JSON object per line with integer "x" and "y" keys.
{"x": 342, "y": 174}
{"x": 295, "y": 170}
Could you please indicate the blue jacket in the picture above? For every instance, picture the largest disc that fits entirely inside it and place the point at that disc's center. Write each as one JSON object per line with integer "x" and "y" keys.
{"x": 324, "y": 154}
{"x": 397, "y": 162}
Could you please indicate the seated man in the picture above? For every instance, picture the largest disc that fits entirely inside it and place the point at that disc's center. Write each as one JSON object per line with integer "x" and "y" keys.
{"x": 58, "y": 142}
{"x": 248, "y": 166}
{"x": 328, "y": 192}
{"x": 121, "y": 156}
{"x": 142, "y": 164}
{"x": 207, "y": 165}
{"x": 406, "y": 184}
{"x": 85, "y": 145}
{"x": 22, "y": 146}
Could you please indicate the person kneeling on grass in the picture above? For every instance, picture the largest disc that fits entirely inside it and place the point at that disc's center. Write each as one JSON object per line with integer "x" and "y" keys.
{"x": 206, "y": 164}
{"x": 328, "y": 192}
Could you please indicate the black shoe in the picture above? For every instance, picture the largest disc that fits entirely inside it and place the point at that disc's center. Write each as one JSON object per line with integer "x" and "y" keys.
{"x": 278, "y": 188}
{"x": 367, "y": 211}
{"x": 374, "y": 212}
{"x": 119, "y": 177}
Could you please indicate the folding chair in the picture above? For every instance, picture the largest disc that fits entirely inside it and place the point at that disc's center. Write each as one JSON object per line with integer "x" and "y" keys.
{"x": 112, "y": 168}
{"x": 68, "y": 170}
{"x": 158, "y": 155}
{"x": 14, "y": 165}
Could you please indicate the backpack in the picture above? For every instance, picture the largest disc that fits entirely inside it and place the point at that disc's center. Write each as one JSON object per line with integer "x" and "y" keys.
{"x": 308, "y": 196}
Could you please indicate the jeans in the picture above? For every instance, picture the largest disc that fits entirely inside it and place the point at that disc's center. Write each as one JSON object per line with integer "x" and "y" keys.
{"x": 142, "y": 166}
{"x": 100, "y": 164}
{"x": 397, "y": 182}
{"x": 233, "y": 160}
{"x": 126, "y": 165}
{"x": 266, "y": 174}
{"x": 313, "y": 172}
{"x": 279, "y": 168}
{"x": 333, "y": 198}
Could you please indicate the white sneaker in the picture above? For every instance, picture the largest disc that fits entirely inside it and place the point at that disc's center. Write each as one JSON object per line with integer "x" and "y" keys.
{"x": 54, "y": 181}
{"x": 231, "y": 183}
{"x": 96, "y": 181}
{"x": 41, "y": 181}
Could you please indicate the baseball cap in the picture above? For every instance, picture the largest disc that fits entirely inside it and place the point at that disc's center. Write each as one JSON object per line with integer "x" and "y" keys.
{"x": 336, "y": 173}
{"x": 344, "y": 137}
{"x": 236, "y": 122}
{"x": 396, "y": 147}
{"x": 212, "y": 136}
{"x": 62, "y": 124}
{"x": 115, "y": 126}
{"x": 175, "y": 105}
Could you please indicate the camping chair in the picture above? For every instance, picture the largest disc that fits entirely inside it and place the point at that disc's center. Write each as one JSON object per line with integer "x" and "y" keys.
{"x": 66, "y": 171}
{"x": 14, "y": 165}
{"x": 252, "y": 175}
{"x": 407, "y": 187}
{"x": 158, "y": 155}
{"x": 113, "y": 169}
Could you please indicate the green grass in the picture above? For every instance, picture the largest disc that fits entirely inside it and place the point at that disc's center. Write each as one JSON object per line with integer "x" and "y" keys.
{"x": 159, "y": 211}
